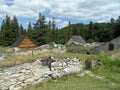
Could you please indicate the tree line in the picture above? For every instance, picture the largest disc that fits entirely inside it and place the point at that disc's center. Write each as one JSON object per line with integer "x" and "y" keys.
{"x": 43, "y": 31}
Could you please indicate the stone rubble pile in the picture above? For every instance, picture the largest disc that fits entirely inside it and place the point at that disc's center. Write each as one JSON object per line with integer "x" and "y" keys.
{"x": 14, "y": 78}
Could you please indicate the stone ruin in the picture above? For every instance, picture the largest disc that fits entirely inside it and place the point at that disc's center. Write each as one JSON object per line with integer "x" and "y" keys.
{"x": 20, "y": 76}
{"x": 93, "y": 63}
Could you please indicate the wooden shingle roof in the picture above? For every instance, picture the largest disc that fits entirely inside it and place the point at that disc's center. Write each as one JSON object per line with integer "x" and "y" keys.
{"x": 18, "y": 42}
{"x": 77, "y": 40}
{"x": 24, "y": 42}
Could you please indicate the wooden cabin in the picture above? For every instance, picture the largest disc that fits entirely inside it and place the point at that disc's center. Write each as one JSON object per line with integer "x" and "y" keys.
{"x": 24, "y": 42}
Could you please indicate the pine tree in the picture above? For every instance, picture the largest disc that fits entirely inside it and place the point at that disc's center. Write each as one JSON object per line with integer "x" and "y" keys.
{"x": 53, "y": 27}
{"x": 15, "y": 28}
{"x": 29, "y": 30}
{"x": 49, "y": 32}
{"x": 9, "y": 31}
{"x": 70, "y": 31}
{"x": 40, "y": 30}
{"x": 6, "y": 31}
{"x": 21, "y": 29}
{"x": 117, "y": 28}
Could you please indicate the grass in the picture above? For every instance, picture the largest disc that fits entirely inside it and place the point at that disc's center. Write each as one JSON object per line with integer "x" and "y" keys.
{"x": 12, "y": 60}
{"x": 110, "y": 70}
{"x": 72, "y": 55}
{"x": 69, "y": 48}
{"x": 75, "y": 83}
{"x": 3, "y": 49}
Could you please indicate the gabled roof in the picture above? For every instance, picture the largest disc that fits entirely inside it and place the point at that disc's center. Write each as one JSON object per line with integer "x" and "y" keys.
{"x": 19, "y": 40}
{"x": 77, "y": 40}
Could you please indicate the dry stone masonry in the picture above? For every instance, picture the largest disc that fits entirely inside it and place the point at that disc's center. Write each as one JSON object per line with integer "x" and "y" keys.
{"x": 14, "y": 78}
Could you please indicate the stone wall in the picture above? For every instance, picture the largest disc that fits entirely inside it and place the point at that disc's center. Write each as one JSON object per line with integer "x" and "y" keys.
{"x": 14, "y": 78}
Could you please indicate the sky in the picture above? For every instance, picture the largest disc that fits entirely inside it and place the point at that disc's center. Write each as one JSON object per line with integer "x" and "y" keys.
{"x": 62, "y": 10}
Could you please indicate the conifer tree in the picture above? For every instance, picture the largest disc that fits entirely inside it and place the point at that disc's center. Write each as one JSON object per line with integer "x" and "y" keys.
{"x": 40, "y": 30}
{"x": 15, "y": 29}
{"x": 6, "y": 31}
{"x": 49, "y": 32}
{"x": 53, "y": 27}
{"x": 21, "y": 29}
{"x": 29, "y": 30}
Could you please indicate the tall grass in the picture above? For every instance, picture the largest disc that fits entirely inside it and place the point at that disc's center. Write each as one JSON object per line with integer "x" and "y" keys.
{"x": 110, "y": 68}
{"x": 12, "y": 60}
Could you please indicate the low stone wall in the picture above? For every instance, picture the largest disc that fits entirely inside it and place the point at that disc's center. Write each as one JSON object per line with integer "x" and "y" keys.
{"x": 19, "y": 76}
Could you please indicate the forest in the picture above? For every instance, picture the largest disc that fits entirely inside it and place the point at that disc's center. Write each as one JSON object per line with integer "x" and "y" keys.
{"x": 42, "y": 32}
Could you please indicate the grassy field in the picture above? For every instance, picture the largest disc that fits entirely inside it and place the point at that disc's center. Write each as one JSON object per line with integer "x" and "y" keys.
{"x": 75, "y": 83}
{"x": 12, "y": 60}
{"x": 110, "y": 70}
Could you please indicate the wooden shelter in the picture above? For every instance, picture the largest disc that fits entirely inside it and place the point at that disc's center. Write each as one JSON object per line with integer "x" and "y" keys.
{"x": 24, "y": 42}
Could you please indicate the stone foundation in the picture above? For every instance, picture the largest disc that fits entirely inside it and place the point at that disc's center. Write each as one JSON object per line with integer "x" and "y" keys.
{"x": 26, "y": 74}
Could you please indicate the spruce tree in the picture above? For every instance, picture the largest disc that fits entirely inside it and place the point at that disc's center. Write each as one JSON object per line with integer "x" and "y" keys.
{"x": 29, "y": 30}
{"x": 53, "y": 27}
{"x": 40, "y": 30}
{"x": 49, "y": 32}
{"x": 21, "y": 30}
{"x": 15, "y": 26}
{"x": 6, "y": 31}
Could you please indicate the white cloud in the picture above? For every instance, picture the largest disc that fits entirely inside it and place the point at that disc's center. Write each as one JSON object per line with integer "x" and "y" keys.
{"x": 96, "y": 10}
{"x": 59, "y": 22}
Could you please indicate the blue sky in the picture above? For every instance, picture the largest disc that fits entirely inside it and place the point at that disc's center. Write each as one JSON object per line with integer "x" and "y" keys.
{"x": 63, "y": 10}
